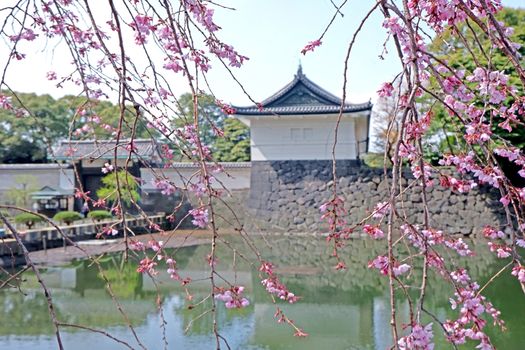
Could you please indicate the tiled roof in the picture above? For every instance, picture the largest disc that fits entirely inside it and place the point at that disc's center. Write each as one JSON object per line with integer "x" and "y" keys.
{"x": 289, "y": 110}
{"x": 302, "y": 96}
{"x": 49, "y": 192}
{"x": 225, "y": 165}
{"x": 96, "y": 149}
{"x": 33, "y": 166}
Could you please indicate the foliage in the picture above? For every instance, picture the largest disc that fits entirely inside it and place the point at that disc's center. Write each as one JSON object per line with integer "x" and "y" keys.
{"x": 227, "y": 138}
{"x": 124, "y": 279}
{"x": 122, "y": 180}
{"x": 450, "y": 46}
{"x": 24, "y": 185}
{"x": 234, "y": 146}
{"x": 210, "y": 116}
{"x": 181, "y": 41}
{"x": 375, "y": 160}
{"x": 22, "y": 151}
{"x": 27, "y": 138}
{"x": 28, "y": 219}
{"x": 67, "y": 217}
{"x": 99, "y": 215}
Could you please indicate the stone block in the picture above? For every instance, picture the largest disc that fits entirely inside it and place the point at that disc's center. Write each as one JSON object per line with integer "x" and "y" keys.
{"x": 298, "y": 220}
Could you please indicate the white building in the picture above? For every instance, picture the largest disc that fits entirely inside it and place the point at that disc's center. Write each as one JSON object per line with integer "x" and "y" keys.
{"x": 298, "y": 123}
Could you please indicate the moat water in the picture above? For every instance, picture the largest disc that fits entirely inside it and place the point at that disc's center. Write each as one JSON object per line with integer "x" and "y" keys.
{"x": 338, "y": 309}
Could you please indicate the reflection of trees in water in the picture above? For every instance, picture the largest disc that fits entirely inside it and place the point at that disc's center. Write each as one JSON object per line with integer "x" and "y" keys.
{"x": 203, "y": 325}
{"x": 24, "y": 314}
{"x": 358, "y": 282}
{"x": 304, "y": 264}
{"x": 123, "y": 277}
{"x": 28, "y": 315}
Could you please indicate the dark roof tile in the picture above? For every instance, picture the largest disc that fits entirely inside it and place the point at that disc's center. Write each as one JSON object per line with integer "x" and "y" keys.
{"x": 95, "y": 149}
{"x": 302, "y": 96}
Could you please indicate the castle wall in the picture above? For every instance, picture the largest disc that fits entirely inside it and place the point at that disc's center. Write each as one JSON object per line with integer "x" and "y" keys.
{"x": 286, "y": 196}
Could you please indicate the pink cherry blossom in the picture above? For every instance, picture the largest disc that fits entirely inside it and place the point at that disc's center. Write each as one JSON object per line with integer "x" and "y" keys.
{"x": 401, "y": 269}
{"x": 232, "y": 297}
{"x": 380, "y": 263}
{"x": 5, "y": 102}
{"x": 386, "y": 90}
{"x": 310, "y": 47}
{"x": 373, "y": 231}
{"x": 107, "y": 168}
{"x": 200, "y": 217}
{"x": 519, "y": 272}
{"x": 381, "y": 209}
{"x": 420, "y": 338}
{"x": 26, "y": 34}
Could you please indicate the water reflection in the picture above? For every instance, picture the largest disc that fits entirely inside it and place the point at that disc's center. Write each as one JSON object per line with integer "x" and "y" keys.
{"x": 340, "y": 310}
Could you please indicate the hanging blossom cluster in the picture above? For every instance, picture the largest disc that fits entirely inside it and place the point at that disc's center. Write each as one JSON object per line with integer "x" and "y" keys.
{"x": 165, "y": 186}
{"x": 381, "y": 263}
{"x": 472, "y": 306}
{"x": 97, "y": 66}
{"x": 191, "y": 141}
{"x": 477, "y": 101}
{"x": 232, "y": 297}
{"x": 334, "y": 214}
{"x": 274, "y": 286}
{"x": 474, "y": 99}
{"x": 186, "y": 38}
{"x": 149, "y": 264}
{"x": 200, "y": 217}
{"x": 420, "y": 338}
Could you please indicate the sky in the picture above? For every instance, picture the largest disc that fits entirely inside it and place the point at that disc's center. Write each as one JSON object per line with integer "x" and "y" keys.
{"x": 271, "y": 33}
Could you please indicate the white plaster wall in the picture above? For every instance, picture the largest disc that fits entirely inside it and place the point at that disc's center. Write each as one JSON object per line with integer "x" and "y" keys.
{"x": 302, "y": 137}
{"x": 52, "y": 175}
{"x": 234, "y": 178}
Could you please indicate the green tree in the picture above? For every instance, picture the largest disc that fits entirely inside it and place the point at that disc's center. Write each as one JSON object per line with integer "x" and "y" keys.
{"x": 128, "y": 187}
{"x": 22, "y": 151}
{"x": 67, "y": 217}
{"x": 98, "y": 114}
{"x": 28, "y": 219}
{"x": 234, "y": 146}
{"x": 26, "y": 138}
{"x": 450, "y": 47}
{"x": 210, "y": 116}
{"x": 19, "y": 194}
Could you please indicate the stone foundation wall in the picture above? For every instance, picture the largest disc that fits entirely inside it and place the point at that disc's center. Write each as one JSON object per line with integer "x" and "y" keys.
{"x": 286, "y": 196}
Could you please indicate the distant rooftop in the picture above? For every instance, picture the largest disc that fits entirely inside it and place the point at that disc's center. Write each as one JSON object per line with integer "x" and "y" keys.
{"x": 33, "y": 166}
{"x": 48, "y": 192}
{"x": 225, "y": 165}
{"x": 105, "y": 149}
{"x": 302, "y": 96}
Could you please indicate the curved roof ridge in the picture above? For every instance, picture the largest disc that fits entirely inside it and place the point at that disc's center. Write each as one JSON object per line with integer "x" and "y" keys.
{"x": 326, "y": 101}
{"x": 288, "y": 87}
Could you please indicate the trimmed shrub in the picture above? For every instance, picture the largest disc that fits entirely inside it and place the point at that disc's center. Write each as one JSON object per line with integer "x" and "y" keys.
{"x": 28, "y": 219}
{"x": 67, "y": 217}
{"x": 98, "y": 215}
